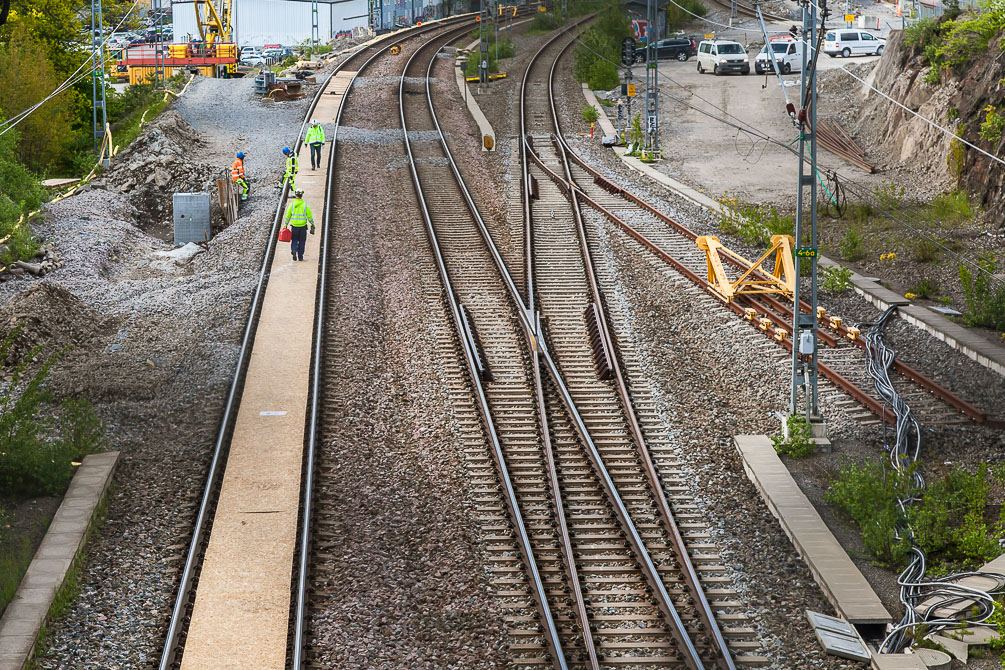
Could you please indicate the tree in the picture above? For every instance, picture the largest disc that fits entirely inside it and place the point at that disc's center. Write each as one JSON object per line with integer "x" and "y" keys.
{"x": 54, "y": 25}
{"x": 26, "y": 78}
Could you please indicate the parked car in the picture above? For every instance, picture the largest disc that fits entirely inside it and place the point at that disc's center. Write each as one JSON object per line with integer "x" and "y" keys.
{"x": 786, "y": 51}
{"x": 253, "y": 59}
{"x": 680, "y": 48}
{"x": 848, "y": 42}
{"x": 721, "y": 56}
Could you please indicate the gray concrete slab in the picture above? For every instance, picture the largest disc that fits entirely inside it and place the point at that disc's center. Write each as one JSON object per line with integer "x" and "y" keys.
{"x": 897, "y": 662}
{"x": 838, "y": 577}
{"x": 26, "y": 613}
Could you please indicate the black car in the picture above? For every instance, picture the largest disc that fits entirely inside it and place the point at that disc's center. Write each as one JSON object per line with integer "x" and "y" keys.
{"x": 680, "y": 48}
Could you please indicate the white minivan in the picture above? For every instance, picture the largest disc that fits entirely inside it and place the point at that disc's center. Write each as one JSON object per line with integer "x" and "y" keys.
{"x": 720, "y": 56}
{"x": 848, "y": 42}
{"x": 787, "y": 52}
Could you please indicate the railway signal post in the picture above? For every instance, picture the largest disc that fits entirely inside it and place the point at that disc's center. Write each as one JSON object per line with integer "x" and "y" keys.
{"x": 652, "y": 82}
{"x": 804, "y": 326}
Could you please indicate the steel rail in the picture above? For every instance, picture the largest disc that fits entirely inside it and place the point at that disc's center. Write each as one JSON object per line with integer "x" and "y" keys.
{"x": 664, "y": 602}
{"x": 549, "y": 628}
{"x": 724, "y": 659}
{"x": 221, "y": 446}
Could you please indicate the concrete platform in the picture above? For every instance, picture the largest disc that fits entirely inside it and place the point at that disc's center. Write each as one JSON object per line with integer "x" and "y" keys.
{"x": 897, "y": 662}
{"x": 839, "y": 579}
{"x": 29, "y": 609}
{"x": 241, "y": 613}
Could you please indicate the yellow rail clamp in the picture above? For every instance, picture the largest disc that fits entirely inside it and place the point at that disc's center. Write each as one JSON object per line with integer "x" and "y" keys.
{"x": 821, "y": 312}
{"x": 853, "y": 333}
{"x": 835, "y": 322}
{"x": 749, "y": 313}
{"x": 781, "y": 334}
{"x": 764, "y": 323}
{"x": 754, "y": 278}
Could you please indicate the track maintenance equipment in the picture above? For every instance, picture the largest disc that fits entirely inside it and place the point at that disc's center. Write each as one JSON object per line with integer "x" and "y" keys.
{"x": 755, "y": 279}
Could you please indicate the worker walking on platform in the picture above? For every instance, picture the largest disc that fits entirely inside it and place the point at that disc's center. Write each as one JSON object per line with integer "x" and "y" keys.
{"x": 316, "y": 139}
{"x": 298, "y": 216}
{"x": 237, "y": 175}
{"x": 292, "y": 167}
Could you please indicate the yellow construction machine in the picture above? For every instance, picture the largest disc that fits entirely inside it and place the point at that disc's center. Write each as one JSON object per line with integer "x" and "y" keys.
{"x": 214, "y": 19}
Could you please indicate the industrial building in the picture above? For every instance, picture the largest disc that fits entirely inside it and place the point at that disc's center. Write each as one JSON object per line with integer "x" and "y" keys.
{"x": 286, "y": 22}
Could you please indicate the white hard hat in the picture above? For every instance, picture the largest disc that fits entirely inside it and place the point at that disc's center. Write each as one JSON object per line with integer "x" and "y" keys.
{"x": 314, "y": 122}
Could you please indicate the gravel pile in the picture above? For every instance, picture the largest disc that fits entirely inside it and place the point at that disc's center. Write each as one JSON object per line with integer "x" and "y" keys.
{"x": 155, "y": 344}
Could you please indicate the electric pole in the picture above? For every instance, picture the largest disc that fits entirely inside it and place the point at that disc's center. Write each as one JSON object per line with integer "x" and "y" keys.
{"x": 98, "y": 114}
{"x": 848, "y": 11}
{"x": 804, "y": 326}
{"x": 652, "y": 82}
{"x": 159, "y": 78}
{"x": 315, "y": 28}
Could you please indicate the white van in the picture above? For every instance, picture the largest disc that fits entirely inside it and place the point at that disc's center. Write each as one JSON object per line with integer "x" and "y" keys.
{"x": 785, "y": 51}
{"x": 848, "y": 42}
{"x": 722, "y": 56}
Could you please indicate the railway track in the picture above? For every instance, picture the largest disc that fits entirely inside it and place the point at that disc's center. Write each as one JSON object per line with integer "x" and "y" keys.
{"x": 597, "y": 571}
{"x": 750, "y": 11}
{"x": 175, "y": 639}
{"x": 840, "y": 353}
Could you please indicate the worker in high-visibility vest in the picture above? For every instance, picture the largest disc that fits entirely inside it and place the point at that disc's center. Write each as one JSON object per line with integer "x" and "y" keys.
{"x": 237, "y": 175}
{"x": 292, "y": 167}
{"x": 316, "y": 139}
{"x": 298, "y": 216}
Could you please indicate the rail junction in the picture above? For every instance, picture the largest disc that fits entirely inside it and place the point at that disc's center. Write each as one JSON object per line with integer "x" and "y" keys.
{"x": 597, "y": 553}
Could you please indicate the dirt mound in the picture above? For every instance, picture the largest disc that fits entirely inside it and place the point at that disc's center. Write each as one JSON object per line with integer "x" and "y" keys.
{"x": 162, "y": 160}
{"x": 50, "y": 317}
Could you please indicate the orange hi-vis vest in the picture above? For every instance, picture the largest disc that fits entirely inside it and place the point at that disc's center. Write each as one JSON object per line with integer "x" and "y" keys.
{"x": 237, "y": 171}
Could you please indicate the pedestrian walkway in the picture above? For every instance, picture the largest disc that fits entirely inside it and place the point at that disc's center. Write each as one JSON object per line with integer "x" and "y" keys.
{"x": 241, "y": 613}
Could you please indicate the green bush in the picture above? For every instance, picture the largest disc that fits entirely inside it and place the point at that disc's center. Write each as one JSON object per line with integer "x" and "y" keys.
{"x": 992, "y": 126}
{"x": 949, "y": 520}
{"x": 754, "y": 224}
{"x": 589, "y": 113}
{"x": 799, "y": 443}
{"x": 926, "y": 250}
{"x": 852, "y": 245}
{"x": 38, "y": 444}
{"x": 926, "y": 289}
{"x": 836, "y": 279}
{"x": 544, "y": 22}
{"x": 599, "y": 50}
{"x": 867, "y": 494}
{"x": 20, "y": 193}
{"x": 984, "y": 296}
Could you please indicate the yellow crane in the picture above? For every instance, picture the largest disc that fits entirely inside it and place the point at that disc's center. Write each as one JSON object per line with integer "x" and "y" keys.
{"x": 214, "y": 19}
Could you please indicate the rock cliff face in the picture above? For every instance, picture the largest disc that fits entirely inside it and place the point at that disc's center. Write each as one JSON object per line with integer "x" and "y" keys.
{"x": 957, "y": 103}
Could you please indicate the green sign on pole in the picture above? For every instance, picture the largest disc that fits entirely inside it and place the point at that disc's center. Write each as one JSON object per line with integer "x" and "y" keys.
{"x": 806, "y": 252}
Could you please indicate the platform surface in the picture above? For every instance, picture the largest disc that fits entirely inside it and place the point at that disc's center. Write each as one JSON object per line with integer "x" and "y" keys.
{"x": 241, "y": 613}
{"x": 838, "y": 577}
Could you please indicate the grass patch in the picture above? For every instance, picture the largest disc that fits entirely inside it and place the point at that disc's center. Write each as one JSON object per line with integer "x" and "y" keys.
{"x": 951, "y": 521}
{"x": 12, "y": 567}
{"x": 38, "y": 442}
{"x": 798, "y": 443}
{"x": 984, "y": 297}
{"x": 754, "y": 224}
{"x": 544, "y": 22}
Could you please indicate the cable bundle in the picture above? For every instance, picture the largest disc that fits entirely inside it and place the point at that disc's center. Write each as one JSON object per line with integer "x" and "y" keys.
{"x": 914, "y": 588}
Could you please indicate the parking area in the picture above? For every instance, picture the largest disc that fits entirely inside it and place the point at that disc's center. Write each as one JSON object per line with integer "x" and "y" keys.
{"x": 706, "y": 153}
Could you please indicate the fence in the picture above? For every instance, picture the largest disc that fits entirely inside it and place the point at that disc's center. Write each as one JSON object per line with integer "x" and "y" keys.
{"x": 228, "y": 199}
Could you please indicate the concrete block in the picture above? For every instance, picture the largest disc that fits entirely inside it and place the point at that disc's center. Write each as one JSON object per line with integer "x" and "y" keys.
{"x": 191, "y": 217}
{"x": 957, "y": 648}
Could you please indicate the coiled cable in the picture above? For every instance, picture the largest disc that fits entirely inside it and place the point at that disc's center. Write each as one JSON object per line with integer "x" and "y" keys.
{"x": 922, "y": 598}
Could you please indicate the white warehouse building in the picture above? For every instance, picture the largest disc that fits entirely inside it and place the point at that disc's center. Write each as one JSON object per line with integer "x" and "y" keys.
{"x": 286, "y": 22}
